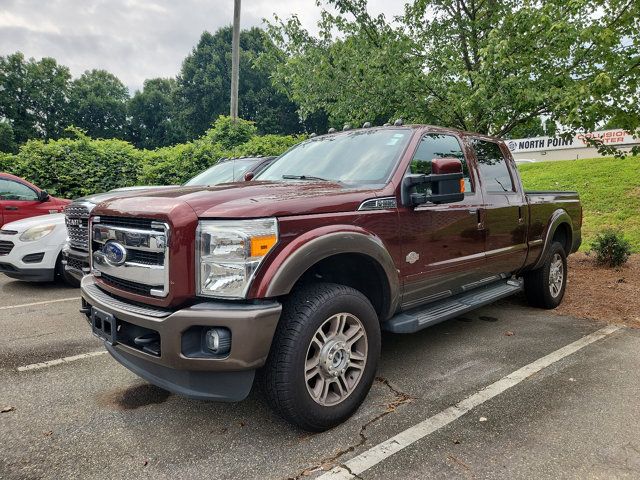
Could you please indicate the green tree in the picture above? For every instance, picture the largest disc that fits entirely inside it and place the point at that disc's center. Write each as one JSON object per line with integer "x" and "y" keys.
{"x": 151, "y": 115}
{"x": 484, "y": 66}
{"x": 204, "y": 85}
{"x": 98, "y": 104}
{"x": 7, "y": 139}
{"x": 34, "y": 96}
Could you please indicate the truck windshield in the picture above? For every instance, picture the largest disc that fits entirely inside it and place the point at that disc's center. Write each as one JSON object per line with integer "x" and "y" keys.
{"x": 229, "y": 171}
{"x": 359, "y": 156}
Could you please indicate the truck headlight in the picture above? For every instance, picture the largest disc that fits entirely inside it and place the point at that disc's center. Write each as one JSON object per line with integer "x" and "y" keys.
{"x": 229, "y": 252}
{"x": 36, "y": 233}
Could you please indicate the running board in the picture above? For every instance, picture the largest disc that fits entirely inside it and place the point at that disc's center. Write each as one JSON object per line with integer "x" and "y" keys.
{"x": 436, "y": 312}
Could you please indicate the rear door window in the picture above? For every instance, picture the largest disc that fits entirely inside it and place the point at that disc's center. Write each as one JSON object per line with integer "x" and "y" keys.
{"x": 492, "y": 166}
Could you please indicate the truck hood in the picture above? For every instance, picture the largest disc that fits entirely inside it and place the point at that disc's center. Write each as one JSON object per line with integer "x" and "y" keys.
{"x": 244, "y": 200}
{"x": 121, "y": 192}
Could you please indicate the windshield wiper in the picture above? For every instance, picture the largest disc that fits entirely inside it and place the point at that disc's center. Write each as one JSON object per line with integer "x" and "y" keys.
{"x": 303, "y": 177}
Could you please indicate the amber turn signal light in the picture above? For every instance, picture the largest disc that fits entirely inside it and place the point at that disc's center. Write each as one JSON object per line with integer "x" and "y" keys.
{"x": 462, "y": 185}
{"x": 260, "y": 246}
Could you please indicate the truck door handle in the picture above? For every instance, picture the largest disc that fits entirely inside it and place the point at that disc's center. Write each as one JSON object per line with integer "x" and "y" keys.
{"x": 11, "y": 208}
{"x": 473, "y": 211}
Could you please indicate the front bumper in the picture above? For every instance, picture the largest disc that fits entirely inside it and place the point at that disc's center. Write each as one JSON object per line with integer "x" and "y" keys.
{"x": 41, "y": 270}
{"x": 75, "y": 262}
{"x": 230, "y": 378}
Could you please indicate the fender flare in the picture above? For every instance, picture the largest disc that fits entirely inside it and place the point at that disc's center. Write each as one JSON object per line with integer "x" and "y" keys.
{"x": 558, "y": 217}
{"x": 308, "y": 252}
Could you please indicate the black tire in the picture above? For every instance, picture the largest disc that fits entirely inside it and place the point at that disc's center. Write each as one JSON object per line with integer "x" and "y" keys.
{"x": 283, "y": 377}
{"x": 66, "y": 276}
{"x": 537, "y": 285}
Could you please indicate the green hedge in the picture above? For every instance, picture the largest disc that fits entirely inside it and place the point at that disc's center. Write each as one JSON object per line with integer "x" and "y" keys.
{"x": 77, "y": 166}
{"x": 73, "y": 167}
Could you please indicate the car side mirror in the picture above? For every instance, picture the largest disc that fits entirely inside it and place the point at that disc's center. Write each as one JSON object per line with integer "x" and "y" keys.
{"x": 249, "y": 176}
{"x": 43, "y": 196}
{"x": 446, "y": 180}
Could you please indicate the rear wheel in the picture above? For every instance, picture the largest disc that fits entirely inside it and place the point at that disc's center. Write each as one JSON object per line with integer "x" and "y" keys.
{"x": 324, "y": 356}
{"x": 545, "y": 286}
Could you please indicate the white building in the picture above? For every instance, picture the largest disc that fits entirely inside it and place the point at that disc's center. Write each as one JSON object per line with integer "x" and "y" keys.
{"x": 542, "y": 149}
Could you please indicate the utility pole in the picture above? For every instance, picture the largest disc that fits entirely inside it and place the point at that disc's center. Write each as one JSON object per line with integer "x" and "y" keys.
{"x": 235, "y": 60}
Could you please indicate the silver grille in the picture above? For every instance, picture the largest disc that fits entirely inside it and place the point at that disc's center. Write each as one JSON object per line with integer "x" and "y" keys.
{"x": 130, "y": 258}
{"x": 77, "y": 220}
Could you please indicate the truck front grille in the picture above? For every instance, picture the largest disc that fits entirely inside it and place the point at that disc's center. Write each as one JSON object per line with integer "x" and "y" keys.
{"x": 77, "y": 221}
{"x": 131, "y": 254}
{"x": 126, "y": 222}
{"x": 129, "y": 286}
{"x": 5, "y": 247}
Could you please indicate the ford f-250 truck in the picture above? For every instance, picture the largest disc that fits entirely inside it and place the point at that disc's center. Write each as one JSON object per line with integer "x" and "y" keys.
{"x": 295, "y": 274}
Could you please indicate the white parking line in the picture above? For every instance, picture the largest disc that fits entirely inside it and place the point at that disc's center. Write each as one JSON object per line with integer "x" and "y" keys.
{"x": 40, "y": 303}
{"x": 384, "y": 450}
{"x": 58, "y": 361}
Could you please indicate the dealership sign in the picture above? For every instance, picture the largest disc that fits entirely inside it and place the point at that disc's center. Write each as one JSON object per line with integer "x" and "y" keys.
{"x": 608, "y": 137}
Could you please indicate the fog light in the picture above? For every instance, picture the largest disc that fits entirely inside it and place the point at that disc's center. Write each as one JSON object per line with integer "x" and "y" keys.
{"x": 218, "y": 341}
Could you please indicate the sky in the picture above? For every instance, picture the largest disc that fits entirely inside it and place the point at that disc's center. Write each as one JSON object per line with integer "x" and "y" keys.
{"x": 136, "y": 39}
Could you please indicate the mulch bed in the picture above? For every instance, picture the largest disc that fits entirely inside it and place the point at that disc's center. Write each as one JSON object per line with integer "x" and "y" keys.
{"x": 602, "y": 293}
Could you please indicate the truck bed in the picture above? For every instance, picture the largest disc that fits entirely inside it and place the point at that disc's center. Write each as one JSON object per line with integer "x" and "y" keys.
{"x": 543, "y": 204}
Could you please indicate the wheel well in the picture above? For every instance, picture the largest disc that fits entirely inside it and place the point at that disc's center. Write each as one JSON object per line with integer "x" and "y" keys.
{"x": 354, "y": 270}
{"x": 563, "y": 236}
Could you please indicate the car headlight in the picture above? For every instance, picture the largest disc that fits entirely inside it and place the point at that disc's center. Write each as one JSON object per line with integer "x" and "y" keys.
{"x": 229, "y": 252}
{"x": 36, "y": 233}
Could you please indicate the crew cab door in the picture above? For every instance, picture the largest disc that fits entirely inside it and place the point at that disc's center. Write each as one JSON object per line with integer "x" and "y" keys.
{"x": 18, "y": 201}
{"x": 505, "y": 216}
{"x": 443, "y": 245}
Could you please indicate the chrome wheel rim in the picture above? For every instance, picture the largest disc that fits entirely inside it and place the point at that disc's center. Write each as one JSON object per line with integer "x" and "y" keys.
{"x": 336, "y": 359}
{"x": 556, "y": 275}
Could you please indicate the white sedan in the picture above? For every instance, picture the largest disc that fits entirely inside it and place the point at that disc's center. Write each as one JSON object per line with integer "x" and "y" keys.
{"x": 30, "y": 249}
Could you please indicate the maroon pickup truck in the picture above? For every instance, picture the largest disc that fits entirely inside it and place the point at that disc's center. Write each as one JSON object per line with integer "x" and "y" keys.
{"x": 294, "y": 275}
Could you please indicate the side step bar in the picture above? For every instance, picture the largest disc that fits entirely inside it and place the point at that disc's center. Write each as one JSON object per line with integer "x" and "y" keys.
{"x": 422, "y": 317}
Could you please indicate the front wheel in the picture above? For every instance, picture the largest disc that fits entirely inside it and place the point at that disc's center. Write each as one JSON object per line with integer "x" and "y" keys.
{"x": 62, "y": 273}
{"x": 545, "y": 286}
{"x": 324, "y": 356}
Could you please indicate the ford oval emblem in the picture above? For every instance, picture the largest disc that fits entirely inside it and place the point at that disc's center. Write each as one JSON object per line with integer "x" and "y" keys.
{"x": 115, "y": 253}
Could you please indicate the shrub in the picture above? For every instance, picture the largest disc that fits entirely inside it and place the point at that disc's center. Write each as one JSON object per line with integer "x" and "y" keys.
{"x": 6, "y": 162}
{"x": 266, "y": 145}
{"x": 74, "y": 167}
{"x": 229, "y": 134}
{"x": 177, "y": 164}
{"x": 611, "y": 248}
{"x": 78, "y": 165}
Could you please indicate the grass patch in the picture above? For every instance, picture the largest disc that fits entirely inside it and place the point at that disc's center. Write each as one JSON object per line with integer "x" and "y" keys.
{"x": 609, "y": 189}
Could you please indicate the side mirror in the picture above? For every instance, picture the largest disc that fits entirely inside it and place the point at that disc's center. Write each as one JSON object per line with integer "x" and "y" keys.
{"x": 249, "y": 176}
{"x": 446, "y": 180}
{"x": 43, "y": 196}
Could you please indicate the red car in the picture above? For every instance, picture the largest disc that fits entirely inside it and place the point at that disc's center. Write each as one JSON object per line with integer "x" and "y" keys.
{"x": 20, "y": 199}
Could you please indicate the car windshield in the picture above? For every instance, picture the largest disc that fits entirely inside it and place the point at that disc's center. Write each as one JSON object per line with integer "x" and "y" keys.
{"x": 229, "y": 171}
{"x": 359, "y": 156}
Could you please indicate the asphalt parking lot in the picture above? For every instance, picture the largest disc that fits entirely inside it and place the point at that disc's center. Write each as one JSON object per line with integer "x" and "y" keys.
{"x": 505, "y": 392}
